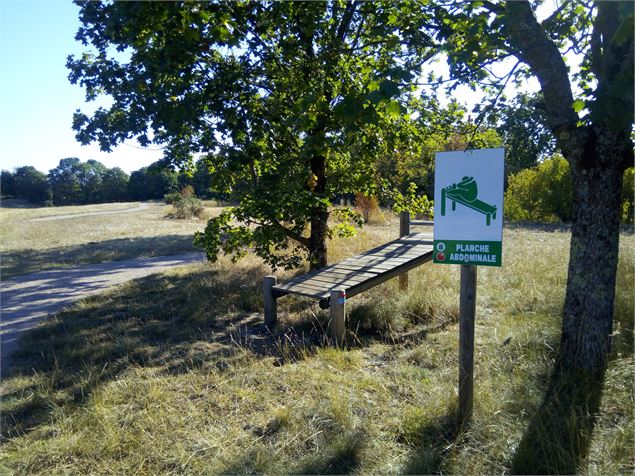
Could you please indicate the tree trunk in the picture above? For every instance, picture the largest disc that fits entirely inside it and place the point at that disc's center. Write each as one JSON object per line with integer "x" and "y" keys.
{"x": 319, "y": 216}
{"x": 598, "y": 155}
{"x": 589, "y": 301}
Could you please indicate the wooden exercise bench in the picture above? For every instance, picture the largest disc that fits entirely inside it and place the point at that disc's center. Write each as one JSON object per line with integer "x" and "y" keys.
{"x": 335, "y": 283}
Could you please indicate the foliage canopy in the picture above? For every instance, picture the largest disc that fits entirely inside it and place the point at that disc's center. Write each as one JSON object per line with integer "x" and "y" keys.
{"x": 287, "y": 103}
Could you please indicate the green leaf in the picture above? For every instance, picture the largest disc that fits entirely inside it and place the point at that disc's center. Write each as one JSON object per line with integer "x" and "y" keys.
{"x": 393, "y": 109}
{"x": 389, "y": 88}
{"x": 348, "y": 108}
{"x": 578, "y": 105}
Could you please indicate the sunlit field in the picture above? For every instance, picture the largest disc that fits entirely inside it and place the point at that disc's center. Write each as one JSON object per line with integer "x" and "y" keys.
{"x": 175, "y": 373}
{"x": 30, "y": 244}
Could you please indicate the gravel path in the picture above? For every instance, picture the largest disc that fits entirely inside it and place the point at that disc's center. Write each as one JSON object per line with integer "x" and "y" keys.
{"x": 141, "y": 206}
{"x": 26, "y": 300}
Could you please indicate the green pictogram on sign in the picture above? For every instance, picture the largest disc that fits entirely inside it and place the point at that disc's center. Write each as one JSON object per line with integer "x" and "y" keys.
{"x": 465, "y": 193}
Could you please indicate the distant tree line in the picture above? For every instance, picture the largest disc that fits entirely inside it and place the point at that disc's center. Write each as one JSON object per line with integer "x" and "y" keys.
{"x": 74, "y": 182}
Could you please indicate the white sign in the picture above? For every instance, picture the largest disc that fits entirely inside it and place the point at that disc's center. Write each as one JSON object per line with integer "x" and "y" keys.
{"x": 468, "y": 207}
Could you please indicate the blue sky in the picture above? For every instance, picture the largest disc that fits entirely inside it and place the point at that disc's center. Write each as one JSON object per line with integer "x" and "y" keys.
{"x": 37, "y": 100}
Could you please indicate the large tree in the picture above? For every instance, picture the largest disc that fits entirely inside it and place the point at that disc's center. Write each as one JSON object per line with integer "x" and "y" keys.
{"x": 287, "y": 103}
{"x": 7, "y": 183}
{"x": 65, "y": 182}
{"x": 90, "y": 175}
{"x": 590, "y": 112}
{"x": 152, "y": 182}
{"x": 30, "y": 184}
{"x": 522, "y": 124}
{"x": 114, "y": 185}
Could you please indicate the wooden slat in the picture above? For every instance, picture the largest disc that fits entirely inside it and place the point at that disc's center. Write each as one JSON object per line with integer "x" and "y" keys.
{"x": 306, "y": 286}
{"x": 390, "y": 274}
{"x": 374, "y": 269}
{"x": 388, "y": 256}
{"x": 328, "y": 285}
{"x": 304, "y": 291}
{"x": 364, "y": 270}
{"x": 329, "y": 279}
{"x": 379, "y": 263}
{"x": 334, "y": 271}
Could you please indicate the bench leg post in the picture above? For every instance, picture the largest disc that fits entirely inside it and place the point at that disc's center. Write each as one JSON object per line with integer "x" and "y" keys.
{"x": 404, "y": 229}
{"x": 271, "y": 311}
{"x": 403, "y": 282}
{"x": 338, "y": 312}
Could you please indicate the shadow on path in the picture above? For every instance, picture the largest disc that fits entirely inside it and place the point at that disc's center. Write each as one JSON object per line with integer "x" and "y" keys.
{"x": 26, "y": 300}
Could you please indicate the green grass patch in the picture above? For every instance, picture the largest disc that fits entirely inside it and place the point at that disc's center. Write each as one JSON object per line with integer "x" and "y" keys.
{"x": 175, "y": 373}
{"x": 79, "y": 238}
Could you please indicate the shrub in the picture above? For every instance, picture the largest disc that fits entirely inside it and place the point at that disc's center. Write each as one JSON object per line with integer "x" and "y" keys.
{"x": 186, "y": 205}
{"x": 368, "y": 207}
{"x": 543, "y": 193}
{"x": 187, "y": 192}
{"x": 172, "y": 197}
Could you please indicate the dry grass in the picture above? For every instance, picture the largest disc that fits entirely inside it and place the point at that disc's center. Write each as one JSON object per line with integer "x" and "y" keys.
{"x": 176, "y": 374}
{"x": 29, "y": 246}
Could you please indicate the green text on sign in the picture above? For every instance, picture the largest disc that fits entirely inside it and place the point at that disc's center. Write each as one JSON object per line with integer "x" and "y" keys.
{"x": 482, "y": 253}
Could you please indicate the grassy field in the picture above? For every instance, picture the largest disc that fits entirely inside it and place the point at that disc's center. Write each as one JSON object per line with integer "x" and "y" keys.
{"x": 175, "y": 373}
{"x": 31, "y": 244}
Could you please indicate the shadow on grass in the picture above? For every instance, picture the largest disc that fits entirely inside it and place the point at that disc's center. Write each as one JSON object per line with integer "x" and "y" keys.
{"x": 209, "y": 317}
{"x": 432, "y": 441}
{"x": 18, "y": 262}
{"x": 341, "y": 455}
{"x": 558, "y": 437}
{"x": 18, "y": 203}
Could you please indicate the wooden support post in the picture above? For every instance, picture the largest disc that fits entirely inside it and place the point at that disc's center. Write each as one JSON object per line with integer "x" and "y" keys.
{"x": 404, "y": 229}
{"x": 466, "y": 342}
{"x": 338, "y": 312}
{"x": 271, "y": 310}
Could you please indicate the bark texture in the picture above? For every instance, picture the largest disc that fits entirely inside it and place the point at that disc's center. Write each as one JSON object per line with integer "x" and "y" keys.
{"x": 589, "y": 300}
{"x": 319, "y": 216}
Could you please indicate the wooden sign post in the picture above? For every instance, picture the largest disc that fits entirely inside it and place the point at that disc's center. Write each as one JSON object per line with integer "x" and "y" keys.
{"x": 468, "y": 230}
{"x": 467, "y": 316}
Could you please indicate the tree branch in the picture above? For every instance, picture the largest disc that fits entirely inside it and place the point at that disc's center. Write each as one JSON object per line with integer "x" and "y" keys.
{"x": 491, "y": 105}
{"x": 346, "y": 21}
{"x": 533, "y": 47}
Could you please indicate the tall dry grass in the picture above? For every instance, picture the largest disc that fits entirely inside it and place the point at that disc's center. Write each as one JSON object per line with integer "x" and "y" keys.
{"x": 176, "y": 374}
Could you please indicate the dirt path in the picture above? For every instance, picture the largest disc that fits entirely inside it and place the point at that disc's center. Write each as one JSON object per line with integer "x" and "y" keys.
{"x": 26, "y": 300}
{"x": 141, "y": 206}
